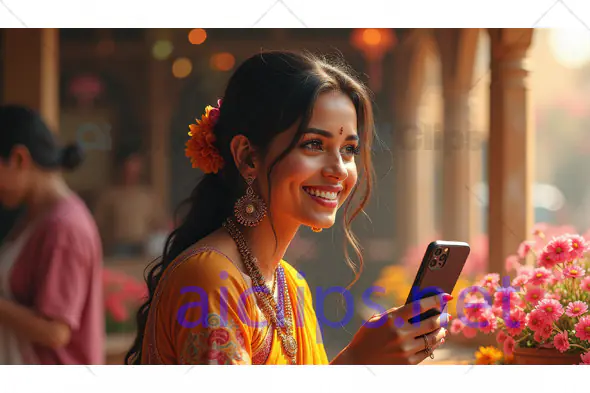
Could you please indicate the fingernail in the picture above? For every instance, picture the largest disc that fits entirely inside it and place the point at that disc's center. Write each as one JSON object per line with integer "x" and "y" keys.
{"x": 447, "y": 297}
{"x": 442, "y": 340}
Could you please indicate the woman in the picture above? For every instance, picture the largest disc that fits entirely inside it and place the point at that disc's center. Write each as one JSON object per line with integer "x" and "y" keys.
{"x": 280, "y": 152}
{"x": 51, "y": 309}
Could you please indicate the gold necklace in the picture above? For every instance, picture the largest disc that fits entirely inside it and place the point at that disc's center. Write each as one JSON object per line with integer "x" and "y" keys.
{"x": 266, "y": 301}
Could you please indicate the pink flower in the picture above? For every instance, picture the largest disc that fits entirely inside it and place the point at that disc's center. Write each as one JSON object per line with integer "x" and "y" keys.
{"x": 579, "y": 246}
{"x": 574, "y": 271}
{"x": 490, "y": 281}
{"x": 520, "y": 280}
{"x": 576, "y": 309}
{"x": 516, "y": 322}
{"x": 512, "y": 263}
{"x": 501, "y": 337}
{"x": 585, "y": 358}
{"x": 506, "y": 298}
{"x": 560, "y": 249}
{"x": 583, "y": 328}
{"x": 546, "y": 259}
{"x": 524, "y": 270}
{"x": 475, "y": 307}
{"x": 561, "y": 342}
{"x": 498, "y": 312}
{"x": 487, "y": 322}
{"x": 456, "y": 326}
{"x": 534, "y": 294}
{"x": 524, "y": 248}
{"x": 540, "y": 276}
{"x": 552, "y": 309}
{"x": 585, "y": 284}
{"x": 509, "y": 346}
{"x": 116, "y": 309}
{"x": 544, "y": 333}
{"x": 537, "y": 319}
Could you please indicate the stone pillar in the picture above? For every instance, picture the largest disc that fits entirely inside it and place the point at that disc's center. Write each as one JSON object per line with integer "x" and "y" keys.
{"x": 414, "y": 164}
{"x": 31, "y": 71}
{"x": 511, "y": 144}
{"x": 457, "y": 48}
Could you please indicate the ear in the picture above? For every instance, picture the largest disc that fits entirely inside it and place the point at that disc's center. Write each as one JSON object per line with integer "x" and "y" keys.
{"x": 244, "y": 156}
{"x": 20, "y": 158}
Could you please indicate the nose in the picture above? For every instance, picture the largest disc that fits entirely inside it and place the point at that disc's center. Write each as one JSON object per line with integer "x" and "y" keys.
{"x": 336, "y": 169}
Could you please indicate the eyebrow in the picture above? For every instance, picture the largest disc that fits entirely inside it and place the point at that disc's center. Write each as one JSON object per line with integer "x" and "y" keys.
{"x": 328, "y": 134}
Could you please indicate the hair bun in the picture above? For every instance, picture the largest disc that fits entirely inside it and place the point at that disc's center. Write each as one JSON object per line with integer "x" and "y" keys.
{"x": 72, "y": 156}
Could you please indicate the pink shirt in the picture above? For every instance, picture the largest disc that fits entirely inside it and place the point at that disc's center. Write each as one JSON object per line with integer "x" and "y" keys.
{"x": 59, "y": 275}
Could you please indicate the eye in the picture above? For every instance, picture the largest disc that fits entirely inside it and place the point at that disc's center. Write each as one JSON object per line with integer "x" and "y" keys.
{"x": 352, "y": 150}
{"x": 314, "y": 144}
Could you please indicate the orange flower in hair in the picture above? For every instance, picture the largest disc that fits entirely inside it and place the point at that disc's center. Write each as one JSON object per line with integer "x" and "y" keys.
{"x": 201, "y": 147}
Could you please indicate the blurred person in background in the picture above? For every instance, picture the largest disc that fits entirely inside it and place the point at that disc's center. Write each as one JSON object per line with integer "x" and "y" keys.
{"x": 279, "y": 152}
{"x": 51, "y": 305}
{"x": 129, "y": 214}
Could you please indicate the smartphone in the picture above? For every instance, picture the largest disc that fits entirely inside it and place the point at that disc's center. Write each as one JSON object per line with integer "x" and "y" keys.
{"x": 439, "y": 271}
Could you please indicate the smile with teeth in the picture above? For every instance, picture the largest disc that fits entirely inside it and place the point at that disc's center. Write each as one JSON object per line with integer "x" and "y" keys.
{"x": 327, "y": 195}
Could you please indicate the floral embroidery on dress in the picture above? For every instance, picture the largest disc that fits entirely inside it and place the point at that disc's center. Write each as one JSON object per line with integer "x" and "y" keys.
{"x": 217, "y": 345}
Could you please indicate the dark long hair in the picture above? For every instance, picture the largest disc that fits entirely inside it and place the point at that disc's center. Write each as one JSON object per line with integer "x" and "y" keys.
{"x": 24, "y": 126}
{"x": 265, "y": 96}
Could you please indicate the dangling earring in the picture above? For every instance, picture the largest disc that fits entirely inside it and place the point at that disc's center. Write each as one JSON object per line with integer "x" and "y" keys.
{"x": 250, "y": 209}
{"x": 316, "y": 229}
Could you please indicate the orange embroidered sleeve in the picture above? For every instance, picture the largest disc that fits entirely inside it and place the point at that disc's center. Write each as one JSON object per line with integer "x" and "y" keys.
{"x": 209, "y": 311}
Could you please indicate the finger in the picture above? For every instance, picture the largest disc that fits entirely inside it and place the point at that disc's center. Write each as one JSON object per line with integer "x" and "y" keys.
{"x": 417, "y": 344}
{"x": 422, "y": 355}
{"x": 421, "y": 306}
{"x": 422, "y": 327}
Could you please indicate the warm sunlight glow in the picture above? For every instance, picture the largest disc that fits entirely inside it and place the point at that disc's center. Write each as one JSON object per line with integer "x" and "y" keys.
{"x": 571, "y": 48}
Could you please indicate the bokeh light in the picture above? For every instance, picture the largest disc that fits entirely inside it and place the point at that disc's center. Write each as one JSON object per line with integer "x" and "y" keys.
{"x": 162, "y": 49}
{"x": 224, "y": 61}
{"x": 182, "y": 67}
{"x": 571, "y": 47}
{"x": 372, "y": 37}
{"x": 197, "y": 36}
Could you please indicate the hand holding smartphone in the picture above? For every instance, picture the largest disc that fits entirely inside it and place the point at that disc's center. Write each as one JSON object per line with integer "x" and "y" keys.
{"x": 439, "y": 272}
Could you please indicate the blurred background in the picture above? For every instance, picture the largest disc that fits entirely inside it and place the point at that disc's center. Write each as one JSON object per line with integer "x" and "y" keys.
{"x": 473, "y": 147}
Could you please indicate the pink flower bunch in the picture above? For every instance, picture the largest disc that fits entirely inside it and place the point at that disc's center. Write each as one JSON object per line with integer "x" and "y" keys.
{"x": 545, "y": 305}
{"x": 121, "y": 293}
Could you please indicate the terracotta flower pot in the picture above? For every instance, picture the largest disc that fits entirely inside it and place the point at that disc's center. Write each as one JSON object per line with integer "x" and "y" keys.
{"x": 544, "y": 356}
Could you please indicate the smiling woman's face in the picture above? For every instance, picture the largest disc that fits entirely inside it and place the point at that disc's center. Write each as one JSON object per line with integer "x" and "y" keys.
{"x": 316, "y": 177}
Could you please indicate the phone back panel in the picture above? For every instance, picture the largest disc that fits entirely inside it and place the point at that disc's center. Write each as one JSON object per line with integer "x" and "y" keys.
{"x": 435, "y": 276}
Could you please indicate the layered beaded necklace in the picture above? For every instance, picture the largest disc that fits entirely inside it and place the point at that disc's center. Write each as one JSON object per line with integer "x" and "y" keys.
{"x": 281, "y": 317}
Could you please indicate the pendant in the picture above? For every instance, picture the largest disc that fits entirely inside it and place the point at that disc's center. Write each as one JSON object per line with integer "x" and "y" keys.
{"x": 290, "y": 346}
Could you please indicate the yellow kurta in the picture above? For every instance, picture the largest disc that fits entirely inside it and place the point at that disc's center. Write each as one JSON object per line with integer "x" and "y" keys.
{"x": 204, "y": 312}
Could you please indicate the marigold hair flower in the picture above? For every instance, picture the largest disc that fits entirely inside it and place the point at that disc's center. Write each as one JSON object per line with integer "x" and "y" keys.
{"x": 200, "y": 148}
